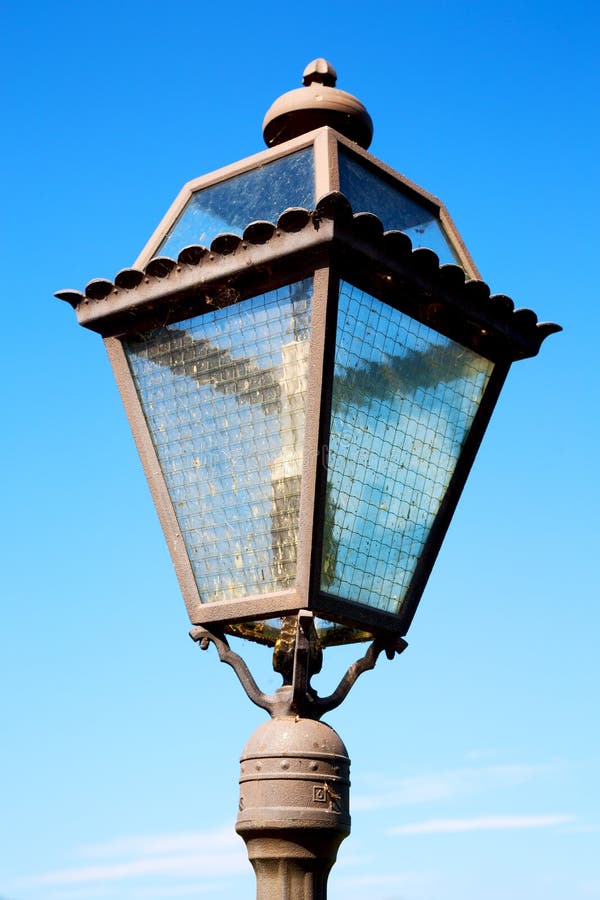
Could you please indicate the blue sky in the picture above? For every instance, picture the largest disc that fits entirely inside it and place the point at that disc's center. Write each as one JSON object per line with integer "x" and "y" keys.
{"x": 475, "y": 754}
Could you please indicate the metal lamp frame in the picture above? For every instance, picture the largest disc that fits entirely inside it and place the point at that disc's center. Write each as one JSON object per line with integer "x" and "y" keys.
{"x": 294, "y": 780}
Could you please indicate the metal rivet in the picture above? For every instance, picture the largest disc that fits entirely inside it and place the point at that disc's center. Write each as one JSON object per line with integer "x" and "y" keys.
{"x": 285, "y": 764}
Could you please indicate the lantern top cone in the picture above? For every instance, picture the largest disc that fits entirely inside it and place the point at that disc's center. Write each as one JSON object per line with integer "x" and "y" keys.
{"x": 315, "y": 104}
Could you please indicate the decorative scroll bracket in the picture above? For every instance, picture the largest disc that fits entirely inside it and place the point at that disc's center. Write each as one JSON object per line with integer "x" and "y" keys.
{"x": 302, "y": 660}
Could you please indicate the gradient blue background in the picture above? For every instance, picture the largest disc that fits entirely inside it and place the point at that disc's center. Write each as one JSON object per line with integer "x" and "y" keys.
{"x": 475, "y": 755}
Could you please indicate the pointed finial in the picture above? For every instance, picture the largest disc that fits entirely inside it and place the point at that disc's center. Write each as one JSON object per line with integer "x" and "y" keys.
{"x": 321, "y": 71}
{"x": 316, "y": 104}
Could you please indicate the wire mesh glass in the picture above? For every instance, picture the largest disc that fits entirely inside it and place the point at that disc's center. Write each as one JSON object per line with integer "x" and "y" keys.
{"x": 224, "y": 395}
{"x": 228, "y": 206}
{"x": 368, "y": 191}
{"x": 404, "y": 398}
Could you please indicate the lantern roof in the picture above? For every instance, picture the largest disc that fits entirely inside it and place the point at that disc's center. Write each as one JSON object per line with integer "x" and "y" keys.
{"x": 204, "y": 277}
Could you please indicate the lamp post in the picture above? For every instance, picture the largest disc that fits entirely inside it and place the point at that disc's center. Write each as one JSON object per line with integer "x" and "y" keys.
{"x": 309, "y": 360}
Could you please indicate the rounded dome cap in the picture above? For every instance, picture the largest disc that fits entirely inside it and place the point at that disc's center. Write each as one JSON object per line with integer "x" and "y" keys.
{"x": 316, "y": 104}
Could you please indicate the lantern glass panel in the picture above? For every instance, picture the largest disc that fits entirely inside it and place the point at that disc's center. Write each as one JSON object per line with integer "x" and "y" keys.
{"x": 368, "y": 191}
{"x": 403, "y": 401}
{"x": 228, "y": 206}
{"x": 224, "y": 396}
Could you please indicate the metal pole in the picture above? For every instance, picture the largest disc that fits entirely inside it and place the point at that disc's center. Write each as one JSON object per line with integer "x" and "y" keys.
{"x": 294, "y": 806}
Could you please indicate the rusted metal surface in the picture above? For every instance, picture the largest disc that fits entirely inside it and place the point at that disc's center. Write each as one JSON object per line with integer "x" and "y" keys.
{"x": 314, "y": 105}
{"x": 294, "y": 807}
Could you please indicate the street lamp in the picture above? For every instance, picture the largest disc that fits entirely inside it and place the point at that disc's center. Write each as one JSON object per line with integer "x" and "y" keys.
{"x": 309, "y": 360}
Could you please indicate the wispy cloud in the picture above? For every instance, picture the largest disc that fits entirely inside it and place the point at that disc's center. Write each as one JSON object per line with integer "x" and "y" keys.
{"x": 198, "y": 855}
{"x": 481, "y": 823}
{"x": 186, "y": 890}
{"x": 205, "y": 887}
{"x": 431, "y": 787}
{"x": 133, "y": 891}
{"x": 200, "y": 864}
{"x": 159, "y": 844}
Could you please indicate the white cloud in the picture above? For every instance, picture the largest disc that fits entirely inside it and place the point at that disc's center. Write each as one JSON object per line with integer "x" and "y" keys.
{"x": 101, "y": 892}
{"x": 199, "y": 864}
{"x": 481, "y": 823}
{"x": 142, "y": 892}
{"x": 160, "y": 844}
{"x": 186, "y": 890}
{"x": 201, "y": 855}
{"x": 432, "y": 787}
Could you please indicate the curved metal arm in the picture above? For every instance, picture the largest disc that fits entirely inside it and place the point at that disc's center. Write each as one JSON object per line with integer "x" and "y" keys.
{"x": 298, "y": 697}
{"x": 364, "y": 664}
{"x": 204, "y": 637}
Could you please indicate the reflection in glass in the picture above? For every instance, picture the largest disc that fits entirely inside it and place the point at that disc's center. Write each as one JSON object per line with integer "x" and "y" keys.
{"x": 369, "y": 192}
{"x": 229, "y": 206}
{"x": 224, "y": 397}
{"x": 404, "y": 399}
